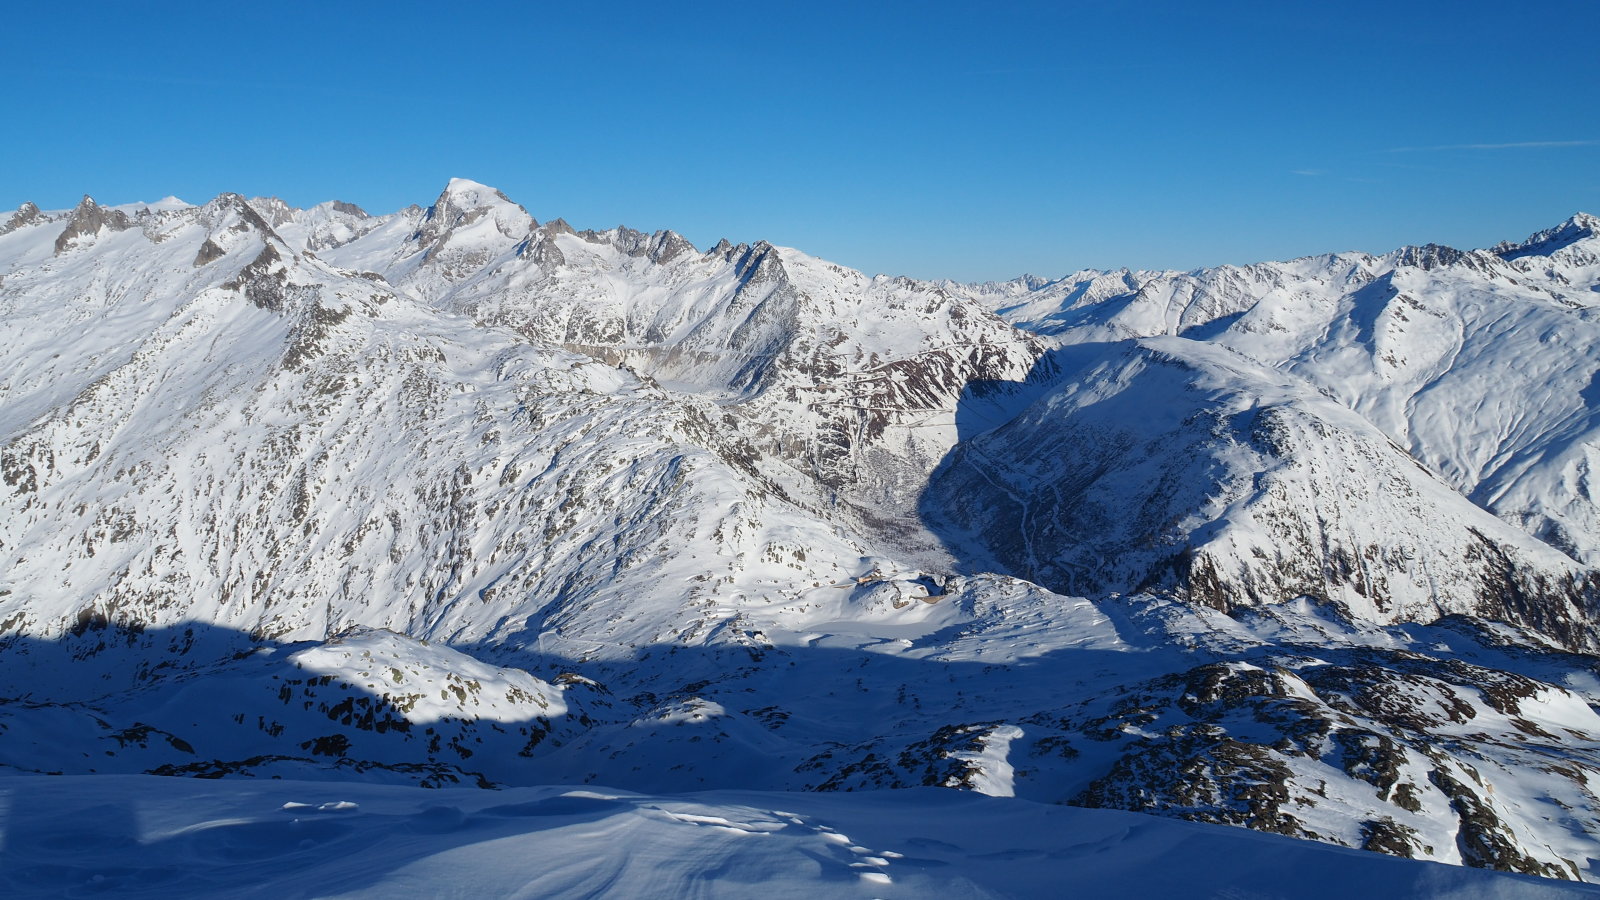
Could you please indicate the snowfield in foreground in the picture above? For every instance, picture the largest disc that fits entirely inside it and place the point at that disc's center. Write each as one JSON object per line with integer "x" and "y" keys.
{"x": 148, "y": 837}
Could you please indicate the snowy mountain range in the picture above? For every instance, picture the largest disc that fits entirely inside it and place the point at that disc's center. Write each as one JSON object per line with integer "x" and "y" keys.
{"x": 452, "y": 497}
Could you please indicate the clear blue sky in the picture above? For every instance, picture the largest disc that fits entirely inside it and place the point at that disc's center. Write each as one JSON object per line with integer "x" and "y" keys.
{"x": 935, "y": 139}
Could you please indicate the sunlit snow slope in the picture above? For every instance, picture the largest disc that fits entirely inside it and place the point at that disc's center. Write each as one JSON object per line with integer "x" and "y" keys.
{"x": 450, "y": 497}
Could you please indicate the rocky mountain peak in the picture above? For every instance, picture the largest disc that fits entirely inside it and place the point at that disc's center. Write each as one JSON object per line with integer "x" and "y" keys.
{"x": 1579, "y": 227}
{"x": 349, "y": 209}
{"x": 465, "y": 193}
{"x": 25, "y": 214}
{"x": 464, "y": 198}
{"x": 233, "y": 214}
{"x": 89, "y": 218}
{"x": 464, "y": 204}
{"x": 276, "y": 212}
{"x": 661, "y": 247}
{"x": 1428, "y": 256}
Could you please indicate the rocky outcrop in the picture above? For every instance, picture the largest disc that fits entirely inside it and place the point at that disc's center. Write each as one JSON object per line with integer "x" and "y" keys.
{"x": 26, "y": 214}
{"x": 89, "y": 219}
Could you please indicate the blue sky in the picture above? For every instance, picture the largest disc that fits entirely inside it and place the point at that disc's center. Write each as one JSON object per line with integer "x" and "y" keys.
{"x": 934, "y": 139}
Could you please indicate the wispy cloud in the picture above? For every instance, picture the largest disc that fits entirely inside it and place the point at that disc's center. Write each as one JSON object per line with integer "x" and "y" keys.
{"x": 1307, "y": 172}
{"x": 1518, "y": 145}
{"x": 203, "y": 83}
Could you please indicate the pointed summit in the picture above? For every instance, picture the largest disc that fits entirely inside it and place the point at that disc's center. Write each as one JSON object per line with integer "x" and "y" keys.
{"x": 25, "y": 214}
{"x": 273, "y": 210}
{"x": 464, "y": 203}
{"x": 88, "y": 218}
{"x": 232, "y": 211}
{"x": 1584, "y": 221}
{"x": 1580, "y": 226}
{"x": 660, "y": 247}
{"x": 463, "y": 196}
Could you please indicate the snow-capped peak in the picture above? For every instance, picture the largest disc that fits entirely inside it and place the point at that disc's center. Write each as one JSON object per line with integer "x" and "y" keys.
{"x": 1579, "y": 227}
{"x": 466, "y": 187}
{"x": 1581, "y": 221}
{"x": 26, "y": 213}
{"x": 89, "y": 218}
{"x": 463, "y": 196}
{"x": 472, "y": 217}
{"x": 168, "y": 203}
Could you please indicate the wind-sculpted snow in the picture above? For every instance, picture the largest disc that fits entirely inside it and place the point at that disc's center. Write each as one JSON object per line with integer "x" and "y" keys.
{"x": 305, "y": 839}
{"x": 450, "y": 497}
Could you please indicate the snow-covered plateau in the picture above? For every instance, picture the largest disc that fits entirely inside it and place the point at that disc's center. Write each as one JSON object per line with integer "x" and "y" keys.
{"x": 391, "y": 523}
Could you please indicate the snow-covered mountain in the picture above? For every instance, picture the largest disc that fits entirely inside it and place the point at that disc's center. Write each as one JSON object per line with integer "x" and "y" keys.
{"x": 1479, "y": 364}
{"x": 242, "y": 435}
{"x": 851, "y": 382}
{"x": 1178, "y": 464}
{"x": 450, "y": 496}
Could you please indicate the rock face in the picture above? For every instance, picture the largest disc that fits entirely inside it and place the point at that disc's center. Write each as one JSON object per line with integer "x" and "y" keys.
{"x": 451, "y": 497}
{"x": 26, "y": 214}
{"x": 1372, "y": 716}
{"x": 88, "y": 220}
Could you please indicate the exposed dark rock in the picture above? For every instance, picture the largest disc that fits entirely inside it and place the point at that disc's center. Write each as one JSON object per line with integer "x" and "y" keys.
{"x": 26, "y": 214}
{"x": 1199, "y": 774}
{"x": 1484, "y": 840}
{"x": 209, "y": 252}
{"x": 1429, "y": 256}
{"x": 264, "y": 281}
{"x": 90, "y": 218}
{"x": 541, "y": 248}
{"x": 1387, "y": 836}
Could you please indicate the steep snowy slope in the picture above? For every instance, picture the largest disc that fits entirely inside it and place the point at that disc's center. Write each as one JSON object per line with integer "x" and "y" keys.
{"x": 1480, "y": 364}
{"x": 866, "y": 412}
{"x": 1173, "y": 464}
{"x": 203, "y": 424}
{"x": 852, "y": 383}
